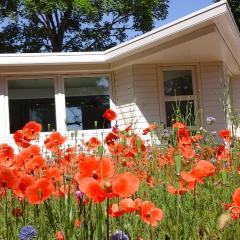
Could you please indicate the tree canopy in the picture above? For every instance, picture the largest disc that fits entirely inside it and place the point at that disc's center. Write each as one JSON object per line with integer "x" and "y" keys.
{"x": 74, "y": 25}
{"x": 235, "y": 8}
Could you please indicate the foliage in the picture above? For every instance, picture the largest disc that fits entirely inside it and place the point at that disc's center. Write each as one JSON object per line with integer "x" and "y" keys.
{"x": 74, "y": 25}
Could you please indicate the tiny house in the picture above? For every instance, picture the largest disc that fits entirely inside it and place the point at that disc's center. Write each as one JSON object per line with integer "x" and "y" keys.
{"x": 193, "y": 61}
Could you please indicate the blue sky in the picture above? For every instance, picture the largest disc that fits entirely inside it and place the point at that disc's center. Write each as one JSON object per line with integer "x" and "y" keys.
{"x": 180, "y": 8}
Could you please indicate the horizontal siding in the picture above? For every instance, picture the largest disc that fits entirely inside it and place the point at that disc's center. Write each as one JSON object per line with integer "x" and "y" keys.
{"x": 212, "y": 79}
{"x": 146, "y": 94}
{"x": 124, "y": 96}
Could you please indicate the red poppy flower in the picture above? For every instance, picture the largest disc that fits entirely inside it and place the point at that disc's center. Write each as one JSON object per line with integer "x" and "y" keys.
{"x": 53, "y": 174}
{"x": 116, "y": 149}
{"x": 150, "y": 214}
{"x": 31, "y": 130}
{"x": 59, "y": 235}
{"x": 110, "y": 115}
{"x": 34, "y": 163}
{"x": 92, "y": 189}
{"x": 236, "y": 197}
{"x": 77, "y": 223}
{"x": 225, "y": 134}
{"x": 40, "y": 191}
{"x": 20, "y": 139}
{"x": 151, "y": 127}
{"x": 54, "y": 140}
{"x": 24, "y": 182}
{"x": 111, "y": 138}
{"x": 7, "y": 179}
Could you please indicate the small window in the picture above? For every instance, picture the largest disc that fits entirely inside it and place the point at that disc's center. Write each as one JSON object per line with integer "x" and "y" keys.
{"x": 179, "y": 96}
{"x": 86, "y": 100}
{"x": 31, "y": 100}
{"x": 178, "y": 83}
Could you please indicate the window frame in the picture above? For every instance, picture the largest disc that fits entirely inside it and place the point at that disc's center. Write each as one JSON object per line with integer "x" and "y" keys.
{"x": 59, "y": 97}
{"x": 163, "y": 99}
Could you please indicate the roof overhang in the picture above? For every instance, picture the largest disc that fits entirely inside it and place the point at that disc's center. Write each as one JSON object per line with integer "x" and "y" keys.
{"x": 203, "y": 36}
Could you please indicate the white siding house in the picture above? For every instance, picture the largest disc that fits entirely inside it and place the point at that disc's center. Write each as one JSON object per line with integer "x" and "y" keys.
{"x": 194, "y": 60}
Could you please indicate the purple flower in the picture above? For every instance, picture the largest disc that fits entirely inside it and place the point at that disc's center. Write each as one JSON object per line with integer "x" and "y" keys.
{"x": 210, "y": 120}
{"x": 119, "y": 235}
{"x": 79, "y": 194}
{"x": 27, "y": 233}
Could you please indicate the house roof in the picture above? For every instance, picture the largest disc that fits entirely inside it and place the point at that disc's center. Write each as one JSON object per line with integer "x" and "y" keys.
{"x": 207, "y": 35}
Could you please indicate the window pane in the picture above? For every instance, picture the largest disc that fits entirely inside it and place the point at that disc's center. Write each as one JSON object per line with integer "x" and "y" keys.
{"x": 31, "y": 100}
{"x": 178, "y": 82}
{"x": 180, "y": 111}
{"x": 86, "y": 100}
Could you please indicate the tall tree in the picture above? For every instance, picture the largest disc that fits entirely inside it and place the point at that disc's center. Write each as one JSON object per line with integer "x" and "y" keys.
{"x": 74, "y": 25}
{"x": 235, "y": 8}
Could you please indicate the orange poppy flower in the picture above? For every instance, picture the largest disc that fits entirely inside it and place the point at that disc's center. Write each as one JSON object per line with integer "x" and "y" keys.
{"x": 128, "y": 205}
{"x": 114, "y": 210}
{"x": 171, "y": 189}
{"x": 96, "y": 168}
{"x": 20, "y": 139}
{"x": 203, "y": 169}
{"x": 150, "y": 214}
{"x": 53, "y": 174}
{"x": 110, "y": 115}
{"x": 31, "y": 130}
{"x": 178, "y": 125}
{"x": 116, "y": 149}
{"x": 6, "y": 151}
{"x": 35, "y": 163}
{"x": 40, "y": 191}
{"x": 125, "y": 184}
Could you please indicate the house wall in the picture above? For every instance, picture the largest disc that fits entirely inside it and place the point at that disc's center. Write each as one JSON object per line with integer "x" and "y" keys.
{"x": 213, "y": 81}
{"x": 235, "y": 99}
{"x": 123, "y": 98}
{"x": 137, "y": 97}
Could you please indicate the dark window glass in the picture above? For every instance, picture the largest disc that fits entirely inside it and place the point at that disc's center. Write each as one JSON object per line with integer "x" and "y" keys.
{"x": 180, "y": 111}
{"x": 86, "y": 100}
{"x": 178, "y": 83}
{"x": 31, "y": 100}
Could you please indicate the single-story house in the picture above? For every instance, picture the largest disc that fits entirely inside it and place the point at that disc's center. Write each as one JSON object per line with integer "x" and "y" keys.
{"x": 193, "y": 61}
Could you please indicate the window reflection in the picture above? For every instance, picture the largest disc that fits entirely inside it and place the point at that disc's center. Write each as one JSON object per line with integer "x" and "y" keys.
{"x": 86, "y": 100}
{"x": 178, "y": 82}
{"x": 31, "y": 100}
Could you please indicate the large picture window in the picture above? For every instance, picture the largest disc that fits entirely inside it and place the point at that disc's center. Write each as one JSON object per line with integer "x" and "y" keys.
{"x": 31, "y": 100}
{"x": 61, "y": 103}
{"x": 86, "y": 100}
{"x": 178, "y": 95}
